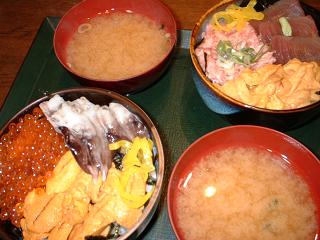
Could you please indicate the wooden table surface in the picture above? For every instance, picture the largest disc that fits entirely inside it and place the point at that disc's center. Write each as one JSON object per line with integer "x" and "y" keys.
{"x": 20, "y": 20}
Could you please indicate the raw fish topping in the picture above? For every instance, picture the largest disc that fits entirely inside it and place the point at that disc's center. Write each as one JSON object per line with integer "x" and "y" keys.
{"x": 88, "y": 128}
{"x": 97, "y": 187}
{"x": 29, "y": 152}
{"x": 239, "y": 44}
{"x": 303, "y": 43}
{"x": 220, "y": 69}
{"x": 73, "y": 205}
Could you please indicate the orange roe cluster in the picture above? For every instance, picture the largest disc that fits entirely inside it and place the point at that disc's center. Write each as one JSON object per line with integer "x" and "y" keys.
{"x": 29, "y": 152}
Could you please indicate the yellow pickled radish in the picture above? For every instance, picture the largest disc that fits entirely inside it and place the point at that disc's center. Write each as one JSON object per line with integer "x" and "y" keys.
{"x": 235, "y": 17}
{"x": 136, "y": 162}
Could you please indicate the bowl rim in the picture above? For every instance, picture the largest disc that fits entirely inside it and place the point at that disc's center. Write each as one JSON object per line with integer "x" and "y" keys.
{"x": 215, "y": 90}
{"x": 163, "y": 59}
{"x": 152, "y": 203}
{"x": 228, "y": 128}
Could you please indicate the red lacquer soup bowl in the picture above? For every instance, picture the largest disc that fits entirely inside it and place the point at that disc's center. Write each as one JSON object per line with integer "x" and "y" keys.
{"x": 88, "y": 9}
{"x": 294, "y": 155}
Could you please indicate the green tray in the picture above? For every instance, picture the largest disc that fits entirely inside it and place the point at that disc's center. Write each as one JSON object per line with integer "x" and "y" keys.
{"x": 172, "y": 103}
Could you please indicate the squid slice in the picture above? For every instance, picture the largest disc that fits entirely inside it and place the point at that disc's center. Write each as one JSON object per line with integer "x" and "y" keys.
{"x": 77, "y": 122}
{"x": 110, "y": 125}
{"x": 87, "y": 154}
{"x": 88, "y": 129}
{"x": 131, "y": 125}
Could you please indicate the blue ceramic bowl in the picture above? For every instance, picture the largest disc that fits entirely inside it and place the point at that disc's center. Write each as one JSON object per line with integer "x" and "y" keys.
{"x": 233, "y": 110}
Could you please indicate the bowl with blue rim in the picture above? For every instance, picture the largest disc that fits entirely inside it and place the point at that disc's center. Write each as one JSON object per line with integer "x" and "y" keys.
{"x": 236, "y": 111}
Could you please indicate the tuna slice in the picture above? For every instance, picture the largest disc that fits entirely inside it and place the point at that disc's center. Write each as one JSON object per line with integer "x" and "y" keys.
{"x": 301, "y": 27}
{"x": 304, "y": 48}
{"x": 284, "y": 8}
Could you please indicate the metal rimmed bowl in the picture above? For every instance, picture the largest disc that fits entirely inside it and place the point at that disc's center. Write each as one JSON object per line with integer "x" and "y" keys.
{"x": 88, "y": 9}
{"x": 236, "y": 111}
{"x": 103, "y": 97}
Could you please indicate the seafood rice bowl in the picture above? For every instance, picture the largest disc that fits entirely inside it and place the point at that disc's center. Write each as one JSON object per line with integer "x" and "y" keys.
{"x": 79, "y": 163}
{"x": 264, "y": 62}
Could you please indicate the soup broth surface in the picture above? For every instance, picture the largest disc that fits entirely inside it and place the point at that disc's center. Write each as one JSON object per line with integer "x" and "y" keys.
{"x": 245, "y": 193}
{"x": 116, "y": 46}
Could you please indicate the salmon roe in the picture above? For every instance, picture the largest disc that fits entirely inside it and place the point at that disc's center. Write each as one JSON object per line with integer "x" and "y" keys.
{"x": 29, "y": 152}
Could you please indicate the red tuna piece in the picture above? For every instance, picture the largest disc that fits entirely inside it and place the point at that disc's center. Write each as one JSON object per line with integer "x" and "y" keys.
{"x": 301, "y": 27}
{"x": 304, "y": 48}
{"x": 283, "y": 8}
